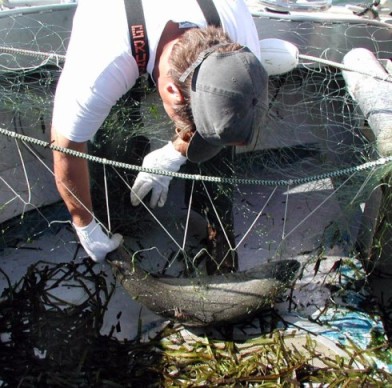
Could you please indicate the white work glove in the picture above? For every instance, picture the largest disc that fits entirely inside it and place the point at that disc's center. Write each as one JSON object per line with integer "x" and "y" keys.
{"x": 165, "y": 158}
{"x": 95, "y": 242}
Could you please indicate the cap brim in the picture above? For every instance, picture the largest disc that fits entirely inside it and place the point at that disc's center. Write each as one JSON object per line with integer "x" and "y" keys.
{"x": 199, "y": 150}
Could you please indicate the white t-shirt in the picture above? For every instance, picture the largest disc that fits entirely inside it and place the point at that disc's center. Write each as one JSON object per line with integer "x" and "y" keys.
{"x": 100, "y": 68}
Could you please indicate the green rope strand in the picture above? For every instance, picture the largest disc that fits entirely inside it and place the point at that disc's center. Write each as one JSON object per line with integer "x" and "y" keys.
{"x": 31, "y": 53}
{"x": 242, "y": 181}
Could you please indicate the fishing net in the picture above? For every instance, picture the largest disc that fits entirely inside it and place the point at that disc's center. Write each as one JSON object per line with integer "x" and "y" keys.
{"x": 315, "y": 188}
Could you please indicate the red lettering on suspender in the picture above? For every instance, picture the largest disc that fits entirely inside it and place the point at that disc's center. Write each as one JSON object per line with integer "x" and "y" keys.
{"x": 139, "y": 46}
{"x": 137, "y": 31}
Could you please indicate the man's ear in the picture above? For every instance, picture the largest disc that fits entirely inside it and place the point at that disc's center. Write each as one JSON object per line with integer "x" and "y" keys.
{"x": 174, "y": 93}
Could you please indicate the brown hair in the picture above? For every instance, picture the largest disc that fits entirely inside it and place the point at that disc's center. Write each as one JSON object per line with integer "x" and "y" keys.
{"x": 183, "y": 54}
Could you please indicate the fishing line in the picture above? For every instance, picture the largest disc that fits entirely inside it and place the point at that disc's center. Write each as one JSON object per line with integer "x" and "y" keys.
{"x": 340, "y": 66}
{"x": 38, "y": 157}
{"x": 285, "y": 212}
{"x": 58, "y": 58}
{"x": 257, "y": 217}
{"x": 319, "y": 206}
{"x": 24, "y": 172}
{"x": 217, "y": 216}
{"x": 188, "y": 216}
{"x": 149, "y": 211}
{"x": 107, "y": 197}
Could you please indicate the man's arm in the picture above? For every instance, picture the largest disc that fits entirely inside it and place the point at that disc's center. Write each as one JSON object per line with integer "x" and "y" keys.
{"x": 73, "y": 180}
{"x": 73, "y": 184}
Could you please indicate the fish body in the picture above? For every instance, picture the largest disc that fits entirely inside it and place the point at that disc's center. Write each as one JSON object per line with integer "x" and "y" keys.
{"x": 205, "y": 300}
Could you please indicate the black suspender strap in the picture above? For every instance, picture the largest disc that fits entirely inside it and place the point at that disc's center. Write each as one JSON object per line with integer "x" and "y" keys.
{"x": 210, "y": 12}
{"x": 137, "y": 33}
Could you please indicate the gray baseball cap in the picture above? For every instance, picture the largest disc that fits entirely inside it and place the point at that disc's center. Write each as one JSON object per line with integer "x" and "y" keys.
{"x": 229, "y": 101}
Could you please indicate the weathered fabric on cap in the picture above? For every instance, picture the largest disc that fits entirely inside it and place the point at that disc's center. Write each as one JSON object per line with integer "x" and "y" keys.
{"x": 229, "y": 101}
